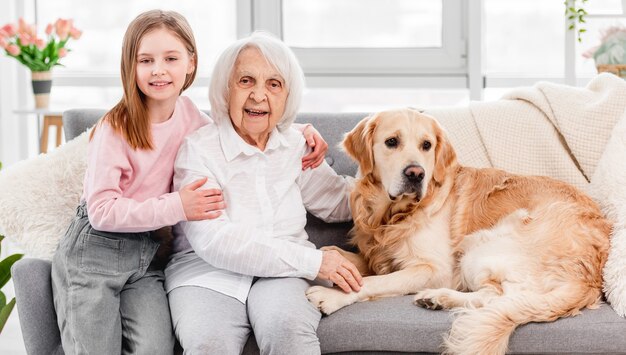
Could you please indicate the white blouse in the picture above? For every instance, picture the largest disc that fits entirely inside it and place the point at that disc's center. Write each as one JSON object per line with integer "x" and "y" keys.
{"x": 267, "y": 195}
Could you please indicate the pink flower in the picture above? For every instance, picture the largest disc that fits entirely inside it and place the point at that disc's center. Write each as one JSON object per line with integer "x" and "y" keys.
{"x": 22, "y": 26}
{"x": 63, "y": 28}
{"x": 21, "y": 39}
{"x": 75, "y": 33}
{"x": 32, "y": 30}
{"x": 26, "y": 39}
{"x": 40, "y": 43}
{"x": 10, "y": 29}
{"x": 13, "y": 50}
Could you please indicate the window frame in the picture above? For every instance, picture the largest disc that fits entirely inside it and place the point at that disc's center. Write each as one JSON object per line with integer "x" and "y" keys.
{"x": 449, "y": 59}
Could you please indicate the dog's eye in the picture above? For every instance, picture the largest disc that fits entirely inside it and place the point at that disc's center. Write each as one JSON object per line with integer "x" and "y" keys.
{"x": 426, "y": 145}
{"x": 391, "y": 142}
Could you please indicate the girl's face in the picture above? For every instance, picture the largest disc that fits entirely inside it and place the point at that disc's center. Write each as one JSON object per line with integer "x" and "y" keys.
{"x": 162, "y": 66}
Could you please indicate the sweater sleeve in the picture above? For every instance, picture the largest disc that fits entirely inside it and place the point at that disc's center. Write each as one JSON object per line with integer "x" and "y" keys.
{"x": 108, "y": 161}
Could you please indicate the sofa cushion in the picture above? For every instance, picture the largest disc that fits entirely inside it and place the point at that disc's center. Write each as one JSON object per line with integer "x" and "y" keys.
{"x": 396, "y": 325}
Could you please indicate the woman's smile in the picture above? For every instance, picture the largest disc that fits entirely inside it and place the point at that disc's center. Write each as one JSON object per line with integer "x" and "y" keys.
{"x": 256, "y": 114}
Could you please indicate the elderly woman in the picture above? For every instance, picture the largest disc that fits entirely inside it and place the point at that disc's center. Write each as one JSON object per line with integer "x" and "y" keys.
{"x": 249, "y": 268}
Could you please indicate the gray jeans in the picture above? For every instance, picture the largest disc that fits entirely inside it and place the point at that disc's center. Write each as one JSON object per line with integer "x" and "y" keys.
{"x": 106, "y": 298}
{"x": 283, "y": 320}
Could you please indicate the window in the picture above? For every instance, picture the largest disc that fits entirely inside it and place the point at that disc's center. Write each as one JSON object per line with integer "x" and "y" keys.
{"x": 369, "y": 37}
{"x": 385, "y": 24}
{"x": 104, "y": 25}
{"x": 524, "y": 38}
{"x": 91, "y": 73}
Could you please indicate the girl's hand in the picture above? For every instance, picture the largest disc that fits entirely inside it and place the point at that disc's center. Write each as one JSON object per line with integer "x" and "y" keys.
{"x": 200, "y": 204}
{"x": 320, "y": 147}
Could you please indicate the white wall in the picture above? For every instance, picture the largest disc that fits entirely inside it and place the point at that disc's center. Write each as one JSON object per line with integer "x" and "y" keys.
{"x": 13, "y": 81}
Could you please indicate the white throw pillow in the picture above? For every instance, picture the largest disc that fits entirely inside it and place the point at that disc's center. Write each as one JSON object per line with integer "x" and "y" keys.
{"x": 608, "y": 188}
{"x": 39, "y": 196}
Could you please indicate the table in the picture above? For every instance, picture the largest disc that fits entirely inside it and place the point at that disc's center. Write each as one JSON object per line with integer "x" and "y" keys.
{"x": 50, "y": 118}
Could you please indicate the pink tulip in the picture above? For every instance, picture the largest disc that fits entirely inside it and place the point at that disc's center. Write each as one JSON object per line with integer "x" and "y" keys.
{"x": 63, "y": 28}
{"x": 40, "y": 43}
{"x": 3, "y": 43}
{"x": 32, "y": 30}
{"x": 10, "y": 29}
{"x": 22, "y": 26}
{"x": 49, "y": 29}
{"x": 3, "y": 34}
{"x": 75, "y": 33}
{"x": 13, "y": 50}
{"x": 26, "y": 39}
{"x": 62, "y": 52}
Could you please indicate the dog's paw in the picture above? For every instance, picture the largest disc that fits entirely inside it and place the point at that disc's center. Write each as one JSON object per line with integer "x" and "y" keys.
{"x": 328, "y": 300}
{"x": 431, "y": 299}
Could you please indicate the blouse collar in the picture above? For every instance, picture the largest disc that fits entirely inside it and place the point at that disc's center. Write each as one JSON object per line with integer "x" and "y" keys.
{"x": 233, "y": 145}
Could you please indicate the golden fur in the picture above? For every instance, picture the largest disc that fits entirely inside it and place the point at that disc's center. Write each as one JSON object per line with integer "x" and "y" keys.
{"x": 500, "y": 248}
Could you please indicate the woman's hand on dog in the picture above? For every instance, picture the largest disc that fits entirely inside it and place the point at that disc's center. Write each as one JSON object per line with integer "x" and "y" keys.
{"x": 340, "y": 271}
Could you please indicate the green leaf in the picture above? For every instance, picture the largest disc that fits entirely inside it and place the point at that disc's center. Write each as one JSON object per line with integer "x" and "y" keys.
{"x": 5, "y": 312}
{"x": 571, "y": 27}
{"x": 3, "y": 300}
{"x": 5, "y": 268}
{"x": 582, "y": 30}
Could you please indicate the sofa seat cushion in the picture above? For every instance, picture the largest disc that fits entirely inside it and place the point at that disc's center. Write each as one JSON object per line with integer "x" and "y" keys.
{"x": 395, "y": 324}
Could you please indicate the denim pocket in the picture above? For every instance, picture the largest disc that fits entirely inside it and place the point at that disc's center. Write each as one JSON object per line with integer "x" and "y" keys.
{"x": 100, "y": 253}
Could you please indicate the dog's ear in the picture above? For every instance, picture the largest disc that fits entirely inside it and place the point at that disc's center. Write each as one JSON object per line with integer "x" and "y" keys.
{"x": 358, "y": 144}
{"x": 445, "y": 156}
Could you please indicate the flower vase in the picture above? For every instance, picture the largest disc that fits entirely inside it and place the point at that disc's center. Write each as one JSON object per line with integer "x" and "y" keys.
{"x": 42, "y": 84}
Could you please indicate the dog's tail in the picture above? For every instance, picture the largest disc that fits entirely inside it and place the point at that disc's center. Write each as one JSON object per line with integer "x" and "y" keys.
{"x": 487, "y": 330}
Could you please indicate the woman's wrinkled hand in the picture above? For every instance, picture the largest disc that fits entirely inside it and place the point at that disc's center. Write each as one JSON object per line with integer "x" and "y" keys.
{"x": 200, "y": 204}
{"x": 340, "y": 271}
{"x": 320, "y": 147}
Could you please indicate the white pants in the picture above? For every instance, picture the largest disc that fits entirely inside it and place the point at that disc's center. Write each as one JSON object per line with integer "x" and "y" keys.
{"x": 277, "y": 311}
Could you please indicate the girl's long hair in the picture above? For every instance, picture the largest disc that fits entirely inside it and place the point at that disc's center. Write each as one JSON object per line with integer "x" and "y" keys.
{"x": 130, "y": 116}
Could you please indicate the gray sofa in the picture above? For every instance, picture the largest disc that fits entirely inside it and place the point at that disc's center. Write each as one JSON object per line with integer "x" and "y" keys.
{"x": 392, "y": 325}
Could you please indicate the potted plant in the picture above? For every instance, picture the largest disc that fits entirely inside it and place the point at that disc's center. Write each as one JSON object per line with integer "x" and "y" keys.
{"x": 5, "y": 276}
{"x": 610, "y": 55}
{"x": 575, "y": 14}
{"x": 40, "y": 55}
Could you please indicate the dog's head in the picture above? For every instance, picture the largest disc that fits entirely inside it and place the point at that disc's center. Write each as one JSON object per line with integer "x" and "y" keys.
{"x": 405, "y": 150}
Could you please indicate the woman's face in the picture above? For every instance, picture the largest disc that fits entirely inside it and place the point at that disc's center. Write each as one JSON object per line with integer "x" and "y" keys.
{"x": 257, "y": 97}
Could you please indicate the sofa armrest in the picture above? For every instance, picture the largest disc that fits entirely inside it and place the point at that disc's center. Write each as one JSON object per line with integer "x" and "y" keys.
{"x": 33, "y": 294}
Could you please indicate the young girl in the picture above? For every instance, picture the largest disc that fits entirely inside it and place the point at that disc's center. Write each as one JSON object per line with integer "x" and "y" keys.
{"x": 108, "y": 297}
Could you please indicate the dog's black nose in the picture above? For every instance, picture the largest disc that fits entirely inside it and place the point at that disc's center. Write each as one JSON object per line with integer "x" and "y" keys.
{"x": 414, "y": 173}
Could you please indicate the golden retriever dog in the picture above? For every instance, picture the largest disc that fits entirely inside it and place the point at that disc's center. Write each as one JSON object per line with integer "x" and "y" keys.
{"x": 502, "y": 249}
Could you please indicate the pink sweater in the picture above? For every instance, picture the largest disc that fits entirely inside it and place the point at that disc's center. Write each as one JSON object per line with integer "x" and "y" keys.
{"x": 129, "y": 190}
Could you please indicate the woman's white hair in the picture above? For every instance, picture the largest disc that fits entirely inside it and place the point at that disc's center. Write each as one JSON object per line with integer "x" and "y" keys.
{"x": 278, "y": 54}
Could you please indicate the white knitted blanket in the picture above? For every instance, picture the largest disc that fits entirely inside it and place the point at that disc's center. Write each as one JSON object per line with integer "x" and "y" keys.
{"x": 548, "y": 129}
